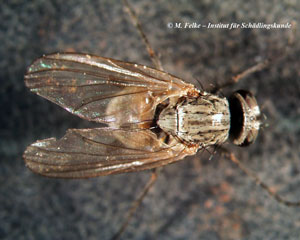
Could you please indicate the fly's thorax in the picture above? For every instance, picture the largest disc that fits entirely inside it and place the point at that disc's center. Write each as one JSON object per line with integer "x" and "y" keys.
{"x": 204, "y": 120}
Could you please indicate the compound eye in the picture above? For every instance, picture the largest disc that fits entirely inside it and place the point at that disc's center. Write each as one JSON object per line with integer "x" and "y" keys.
{"x": 244, "y": 118}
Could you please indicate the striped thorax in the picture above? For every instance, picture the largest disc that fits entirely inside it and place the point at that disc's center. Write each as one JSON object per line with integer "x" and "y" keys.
{"x": 204, "y": 120}
{"x": 209, "y": 119}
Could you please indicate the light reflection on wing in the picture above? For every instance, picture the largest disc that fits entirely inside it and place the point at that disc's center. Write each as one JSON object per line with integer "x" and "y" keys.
{"x": 101, "y": 89}
{"x": 83, "y": 153}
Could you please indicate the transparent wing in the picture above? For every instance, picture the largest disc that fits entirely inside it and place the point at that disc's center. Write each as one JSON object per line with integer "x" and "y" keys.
{"x": 84, "y": 153}
{"x": 101, "y": 89}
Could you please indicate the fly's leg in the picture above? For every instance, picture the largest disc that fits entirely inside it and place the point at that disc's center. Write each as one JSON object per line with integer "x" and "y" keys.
{"x": 235, "y": 79}
{"x": 261, "y": 65}
{"x": 136, "y": 204}
{"x": 231, "y": 156}
{"x": 155, "y": 60}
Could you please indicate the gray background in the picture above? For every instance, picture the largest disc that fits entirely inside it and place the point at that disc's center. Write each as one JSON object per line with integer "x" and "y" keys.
{"x": 193, "y": 199}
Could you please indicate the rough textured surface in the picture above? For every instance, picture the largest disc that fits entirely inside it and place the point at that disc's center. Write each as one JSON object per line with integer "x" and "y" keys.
{"x": 193, "y": 199}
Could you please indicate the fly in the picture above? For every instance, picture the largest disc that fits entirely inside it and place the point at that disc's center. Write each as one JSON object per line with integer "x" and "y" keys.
{"x": 152, "y": 118}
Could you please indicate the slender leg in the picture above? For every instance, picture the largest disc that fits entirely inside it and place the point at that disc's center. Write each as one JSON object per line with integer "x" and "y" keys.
{"x": 261, "y": 65}
{"x": 136, "y": 204}
{"x": 258, "y": 181}
{"x": 235, "y": 79}
{"x": 155, "y": 60}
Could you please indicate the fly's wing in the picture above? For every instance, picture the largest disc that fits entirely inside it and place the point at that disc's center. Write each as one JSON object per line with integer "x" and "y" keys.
{"x": 84, "y": 153}
{"x": 101, "y": 89}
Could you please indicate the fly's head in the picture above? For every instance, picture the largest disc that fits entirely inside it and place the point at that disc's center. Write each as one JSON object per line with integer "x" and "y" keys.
{"x": 245, "y": 118}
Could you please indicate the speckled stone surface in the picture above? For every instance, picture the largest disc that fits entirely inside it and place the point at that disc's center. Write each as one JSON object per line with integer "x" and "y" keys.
{"x": 193, "y": 199}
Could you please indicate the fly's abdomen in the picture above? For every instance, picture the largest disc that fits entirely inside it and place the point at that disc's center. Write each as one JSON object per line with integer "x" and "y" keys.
{"x": 204, "y": 120}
